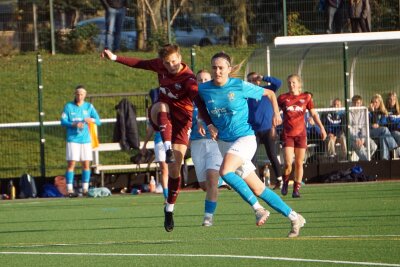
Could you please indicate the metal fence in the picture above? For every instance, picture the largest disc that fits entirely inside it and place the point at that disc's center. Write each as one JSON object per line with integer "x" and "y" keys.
{"x": 28, "y": 25}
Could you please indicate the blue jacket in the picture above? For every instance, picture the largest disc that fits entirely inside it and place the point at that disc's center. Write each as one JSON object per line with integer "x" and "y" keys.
{"x": 261, "y": 112}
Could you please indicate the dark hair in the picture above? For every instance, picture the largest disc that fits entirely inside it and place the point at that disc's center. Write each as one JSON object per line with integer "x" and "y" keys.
{"x": 167, "y": 50}
{"x": 80, "y": 86}
{"x": 355, "y": 98}
{"x": 223, "y": 55}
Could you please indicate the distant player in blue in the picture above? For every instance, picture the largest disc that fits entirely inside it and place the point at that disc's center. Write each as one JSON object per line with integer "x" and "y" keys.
{"x": 206, "y": 159}
{"x": 159, "y": 149}
{"x": 76, "y": 117}
{"x": 260, "y": 118}
{"x": 226, "y": 102}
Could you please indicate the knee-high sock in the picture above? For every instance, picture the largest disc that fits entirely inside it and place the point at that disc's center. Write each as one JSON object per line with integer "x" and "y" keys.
{"x": 240, "y": 186}
{"x": 69, "y": 177}
{"x": 275, "y": 202}
{"x": 210, "y": 206}
{"x": 164, "y": 122}
{"x": 85, "y": 179}
{"x": 173, "y": 189}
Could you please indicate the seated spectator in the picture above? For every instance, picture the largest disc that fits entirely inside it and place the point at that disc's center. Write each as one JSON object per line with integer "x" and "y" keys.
{"x": 393, "y": 108}
{"x": 358, "y": 131}
{"x": 378, "y": 116}
{"x": 334, "y": 123}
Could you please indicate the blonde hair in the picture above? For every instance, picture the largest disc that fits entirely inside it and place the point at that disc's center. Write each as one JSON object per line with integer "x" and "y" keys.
{"x": 381, "y": 108}
{"x": 396, "y": 103}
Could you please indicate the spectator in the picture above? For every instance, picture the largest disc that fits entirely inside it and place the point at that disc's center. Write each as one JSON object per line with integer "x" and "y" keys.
{"x": 260, "y": 118}
{"x": 358, "y": 130}
{"x": 360, "y": 15}
{"x": 115, "y": 16}
{"x": 334, "y": 12}
{"x": 334, "y": 124}
{"x": 393, "y": 108}
{"x": 294, "y": 136}
{"x": 378, "y": 121}
{"x": 76, "y": 117}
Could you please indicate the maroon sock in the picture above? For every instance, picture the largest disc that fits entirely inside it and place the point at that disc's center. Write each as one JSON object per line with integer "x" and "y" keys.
{"x": 173, "y": 189}
{"x": 285, "y": 178}
{"x": 296, "y": 187}
{"x": 164, "y": 123}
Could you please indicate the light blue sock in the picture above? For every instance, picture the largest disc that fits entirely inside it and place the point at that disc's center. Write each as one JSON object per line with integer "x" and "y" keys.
{"x": 69, "y": 176}
{"x": 209, "y": 206}
{"x": 220, "y": 182}
{"x": 240, "y": 186}
{"x": 275, "y": 202}
{"x": 86, "y": 176}
{"x": 165, "y": 192}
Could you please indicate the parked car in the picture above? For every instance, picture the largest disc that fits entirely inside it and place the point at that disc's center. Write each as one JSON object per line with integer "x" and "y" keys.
{"x": 128, "y": 34}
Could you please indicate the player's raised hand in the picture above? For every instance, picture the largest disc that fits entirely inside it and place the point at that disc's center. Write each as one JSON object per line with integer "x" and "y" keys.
{"x": 108, "y": 54}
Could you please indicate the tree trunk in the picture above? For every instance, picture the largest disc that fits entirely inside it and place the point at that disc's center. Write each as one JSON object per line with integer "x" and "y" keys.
{"x": 241, "y": 28}
{"x": 141, "y": 25}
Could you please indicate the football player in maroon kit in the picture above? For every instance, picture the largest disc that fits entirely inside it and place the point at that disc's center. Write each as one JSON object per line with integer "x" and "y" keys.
{"x": 294, "y": 137}
{"x": 171, "y": 115}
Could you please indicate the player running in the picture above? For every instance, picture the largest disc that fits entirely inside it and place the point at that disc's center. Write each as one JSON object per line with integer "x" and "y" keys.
{"x": 294, "y": 137}
{"x": 226, "y": 102}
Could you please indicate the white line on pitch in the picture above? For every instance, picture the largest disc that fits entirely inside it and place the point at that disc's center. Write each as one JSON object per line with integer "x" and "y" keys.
{"x": 198, "y": 255}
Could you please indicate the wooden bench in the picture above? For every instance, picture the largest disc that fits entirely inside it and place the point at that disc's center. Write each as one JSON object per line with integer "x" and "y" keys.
{"x": 99, "y": 168}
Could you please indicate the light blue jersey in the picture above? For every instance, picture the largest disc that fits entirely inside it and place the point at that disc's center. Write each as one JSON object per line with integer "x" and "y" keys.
{"x": 195, "y": 135}
{"x": 157, "y": 137}
{"x": 227, "y": 106}
{"x": 72, "y": 114}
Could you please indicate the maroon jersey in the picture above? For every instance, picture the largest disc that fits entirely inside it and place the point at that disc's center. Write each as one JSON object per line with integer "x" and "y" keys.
{"x": 176, "y": 90}
{"x": 294, "y": 108}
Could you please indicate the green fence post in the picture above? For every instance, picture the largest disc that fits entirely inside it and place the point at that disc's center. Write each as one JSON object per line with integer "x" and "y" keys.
{"x": 346, "y": 96}
{"x": 193, "y": 58}
{"x": 41, "y": 116}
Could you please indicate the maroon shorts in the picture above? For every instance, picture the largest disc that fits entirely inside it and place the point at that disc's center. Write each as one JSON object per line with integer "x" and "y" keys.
{"x": 299, "y": 141}
{"x": 181, "y": 125}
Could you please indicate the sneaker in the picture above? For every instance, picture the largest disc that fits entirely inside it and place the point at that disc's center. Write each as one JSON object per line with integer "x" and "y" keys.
{"x": 278, "y": 185}
{"x": 169, "y": 156}
{"x": 296, "y": 225}
{"x": 284, "y": 188}
{"x": 207, "y": 221}
{"x": 73, "y": 194}
{"x": 168, "y": 221}
{"x": 261, "y": 216}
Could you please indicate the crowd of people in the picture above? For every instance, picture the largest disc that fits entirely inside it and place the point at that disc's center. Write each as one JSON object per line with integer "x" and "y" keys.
{"x": 223, "y": 119}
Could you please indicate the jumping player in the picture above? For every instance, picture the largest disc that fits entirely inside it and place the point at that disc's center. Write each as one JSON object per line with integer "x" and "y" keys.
{"x": 294, "y": 136}
{"x": 172, "y": 114}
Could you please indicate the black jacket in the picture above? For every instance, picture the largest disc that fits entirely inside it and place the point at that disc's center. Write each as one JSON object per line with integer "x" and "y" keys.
{"x": 117, "y": 4}
{"x": 126, "y": 130}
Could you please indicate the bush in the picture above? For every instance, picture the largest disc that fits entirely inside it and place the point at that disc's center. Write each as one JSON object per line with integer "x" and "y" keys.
{"x": 79, "y": 40}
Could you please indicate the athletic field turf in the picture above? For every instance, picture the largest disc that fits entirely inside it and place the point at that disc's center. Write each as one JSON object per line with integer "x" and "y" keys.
{"x": 355, "y": 224}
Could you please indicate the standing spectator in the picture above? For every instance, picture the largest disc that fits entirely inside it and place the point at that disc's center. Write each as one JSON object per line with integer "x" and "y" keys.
{"x": 335, "y": 124}
{"x": 225, "y": 99}
{"x": 360, "y": 15}
{"x": 358, "y": 130}
{"x": 172, "y": 114}
{"x": 260, "y": 119}
{"x": 378, "y": 116}
{"x": 115, "y": 16}
{"x": 206, "y": 159}
{"x": 76, "y": 117}
{"x": 393, "y": 108}
{"x": 334, "y": 14}
{"x": 294, "y": 137}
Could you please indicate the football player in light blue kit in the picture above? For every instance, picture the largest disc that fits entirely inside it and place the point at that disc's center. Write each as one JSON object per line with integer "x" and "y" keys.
{"x": 206, "y": 159}
{"x": 75, "y": 118}
{"x": 226, "y": 102}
